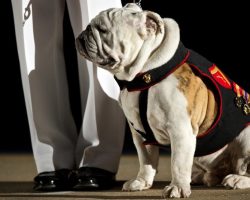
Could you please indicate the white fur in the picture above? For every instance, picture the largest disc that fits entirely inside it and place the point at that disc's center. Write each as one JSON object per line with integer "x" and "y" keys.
{"x": 148, "y": 160}
{"x": 168, "y": 124}
{"x": 165, "y": 52}
{"x": 145, "y": 49}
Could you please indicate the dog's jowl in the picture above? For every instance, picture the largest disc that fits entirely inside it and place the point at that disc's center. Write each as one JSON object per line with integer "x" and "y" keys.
{"x": 171, "y": 95}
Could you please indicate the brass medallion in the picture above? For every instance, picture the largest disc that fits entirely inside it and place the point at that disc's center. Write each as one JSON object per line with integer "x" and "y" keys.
{"x": 146, "y": 78}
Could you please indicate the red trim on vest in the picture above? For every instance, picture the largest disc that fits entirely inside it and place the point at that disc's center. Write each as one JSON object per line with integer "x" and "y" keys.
{"x": 247, "y": 124}
{"x": 150, "y": 85}
{"x": 218, "y": 117}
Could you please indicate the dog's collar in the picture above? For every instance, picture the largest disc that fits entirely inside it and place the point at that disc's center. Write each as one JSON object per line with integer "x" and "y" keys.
{"x": 147, "y": 79}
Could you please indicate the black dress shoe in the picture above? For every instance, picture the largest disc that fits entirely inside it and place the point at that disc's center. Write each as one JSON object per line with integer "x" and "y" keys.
{"x": 91, "y": 178}
{"x": 53, "y": 181}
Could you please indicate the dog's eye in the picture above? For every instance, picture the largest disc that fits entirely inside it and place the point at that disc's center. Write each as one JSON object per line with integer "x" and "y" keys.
{"x": 102, "y": 29}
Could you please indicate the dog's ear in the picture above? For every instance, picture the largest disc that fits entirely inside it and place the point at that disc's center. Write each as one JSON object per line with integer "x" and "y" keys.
{"x": 154, "y": 23}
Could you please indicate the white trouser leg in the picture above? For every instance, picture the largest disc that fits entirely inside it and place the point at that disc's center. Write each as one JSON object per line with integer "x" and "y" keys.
{"x": 40, "y": 48}
{"x": 101, "y": 138}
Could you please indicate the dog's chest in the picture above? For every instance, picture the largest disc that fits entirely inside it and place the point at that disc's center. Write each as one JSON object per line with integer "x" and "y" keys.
{"x": 130, "y": 105}
{"x": 160, "y": 108}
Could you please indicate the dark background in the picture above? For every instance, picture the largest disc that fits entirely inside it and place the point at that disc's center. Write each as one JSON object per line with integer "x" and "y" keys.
{"x": 219, "y": 31}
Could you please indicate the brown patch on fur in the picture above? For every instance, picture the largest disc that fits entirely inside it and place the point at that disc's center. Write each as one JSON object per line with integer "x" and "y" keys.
{"x": 202, "y": 106}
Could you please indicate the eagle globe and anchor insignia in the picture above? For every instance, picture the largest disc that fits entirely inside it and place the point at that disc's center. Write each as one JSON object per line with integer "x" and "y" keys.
{"x": 147, "y": 78}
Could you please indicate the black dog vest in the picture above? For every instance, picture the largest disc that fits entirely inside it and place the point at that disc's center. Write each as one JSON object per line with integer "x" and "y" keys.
{"x": 233, "y": 102}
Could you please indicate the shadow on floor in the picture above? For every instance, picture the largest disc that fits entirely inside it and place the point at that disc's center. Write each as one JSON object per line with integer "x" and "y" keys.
{"x": 24, "y": 190}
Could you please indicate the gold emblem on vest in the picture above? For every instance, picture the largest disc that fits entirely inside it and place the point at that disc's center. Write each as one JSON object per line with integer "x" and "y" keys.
{"x": 146, "y": 78}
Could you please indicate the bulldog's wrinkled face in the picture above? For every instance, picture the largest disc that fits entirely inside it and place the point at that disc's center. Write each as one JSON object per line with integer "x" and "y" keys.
{"x": 114, "y": 38}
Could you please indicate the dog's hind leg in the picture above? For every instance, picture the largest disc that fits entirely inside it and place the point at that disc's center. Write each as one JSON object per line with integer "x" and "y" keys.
{"x": 148, "y": 159}
{"x": 241, "y": 178}
{"x": 236, "y": 181}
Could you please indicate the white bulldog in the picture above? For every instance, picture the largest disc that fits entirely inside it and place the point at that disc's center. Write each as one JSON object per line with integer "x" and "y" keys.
{"x": 183, "y": 105}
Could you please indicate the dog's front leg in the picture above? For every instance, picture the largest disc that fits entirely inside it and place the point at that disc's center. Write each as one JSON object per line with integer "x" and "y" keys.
{"x": 148, "y": 159}
{"x": 183, "y": 143}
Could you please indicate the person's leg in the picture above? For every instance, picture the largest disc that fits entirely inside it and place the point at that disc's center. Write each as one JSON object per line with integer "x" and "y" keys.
{"x": 101, "y": 138}
{"x": 39, "y": 34}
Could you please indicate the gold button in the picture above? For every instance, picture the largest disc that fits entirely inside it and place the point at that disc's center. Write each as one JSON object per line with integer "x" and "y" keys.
{"x": 246, "y": 109}
{"x": 147, "y": 78}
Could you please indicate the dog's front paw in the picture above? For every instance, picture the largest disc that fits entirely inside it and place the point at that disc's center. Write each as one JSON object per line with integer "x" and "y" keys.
{"x": 235, "y": 181}
{"x": 137, "y": 184}
{"x": 173, "y": 191}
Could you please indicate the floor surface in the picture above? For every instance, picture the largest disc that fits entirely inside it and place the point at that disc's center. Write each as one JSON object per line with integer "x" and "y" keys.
{"x": 18, "y": 170}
